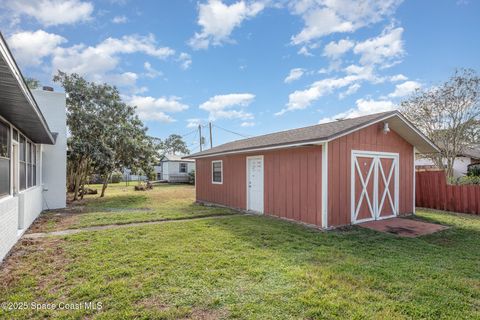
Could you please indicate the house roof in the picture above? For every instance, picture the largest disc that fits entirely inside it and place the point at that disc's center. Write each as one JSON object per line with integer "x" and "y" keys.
{"x": 325, "y": 132}
{"x": 174, "y": 157}
{"x": 472, "y": 152}
{"x": 17, "y": 104}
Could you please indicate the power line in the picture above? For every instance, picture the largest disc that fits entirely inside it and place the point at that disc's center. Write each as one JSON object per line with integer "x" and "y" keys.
{"x": 189, "y": 133}
{"x": 238, "y": 134}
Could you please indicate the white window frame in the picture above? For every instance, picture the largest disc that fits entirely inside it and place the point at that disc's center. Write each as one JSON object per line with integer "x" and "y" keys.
{"x": 221, "y": 171}
{"x": 180, "y": 167}
{"x": 10, "y": 161}
{"x": 37, "y": 160}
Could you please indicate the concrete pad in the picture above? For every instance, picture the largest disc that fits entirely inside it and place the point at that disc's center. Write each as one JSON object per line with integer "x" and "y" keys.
{"x": 403, "y": 227}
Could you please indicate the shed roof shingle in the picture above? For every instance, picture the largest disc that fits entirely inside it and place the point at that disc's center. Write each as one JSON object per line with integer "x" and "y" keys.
{"x": 313, "y": 133}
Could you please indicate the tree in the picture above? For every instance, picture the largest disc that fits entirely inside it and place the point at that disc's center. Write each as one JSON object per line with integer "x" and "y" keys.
{"x": 449, "y": 114}
{"x": 32, "y": 83}
{"x": 106, "y": 135}
{"x": 174, "y": 144}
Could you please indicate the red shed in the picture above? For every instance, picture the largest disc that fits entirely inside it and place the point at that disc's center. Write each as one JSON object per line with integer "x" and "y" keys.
{"x": 332, "y": 174}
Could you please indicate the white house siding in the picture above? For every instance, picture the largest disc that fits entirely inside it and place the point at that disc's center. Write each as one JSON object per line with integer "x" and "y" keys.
{"x": 171, "y": 169}
{"x": 460, "y": 165}
{"x": 9, "y": 224}
{"x": 18, "y": 212}
{"x": 54, "y": 157}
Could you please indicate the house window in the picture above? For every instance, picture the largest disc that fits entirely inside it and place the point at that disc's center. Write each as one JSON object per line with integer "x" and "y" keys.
{"x": 183, "y": 168}
{"x": 23, "y": 163}
{"x": 4, "y": 159}
{"x": 217, "y": 172}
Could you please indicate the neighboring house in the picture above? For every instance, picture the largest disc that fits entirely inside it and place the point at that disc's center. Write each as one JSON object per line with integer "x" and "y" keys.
{"x": 469, "y": 157}
{"x": 328, "y": 175}
{"x": 172, "y": 168}
{"x": 32, "y": 151}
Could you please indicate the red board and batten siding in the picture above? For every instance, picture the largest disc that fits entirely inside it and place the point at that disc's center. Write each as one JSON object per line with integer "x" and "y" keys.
{"x": 292, "y": 183}
{"x": 370, "y": 138}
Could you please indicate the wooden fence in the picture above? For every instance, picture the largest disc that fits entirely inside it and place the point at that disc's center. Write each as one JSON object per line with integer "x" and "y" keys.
{"x": 432, "y": 191}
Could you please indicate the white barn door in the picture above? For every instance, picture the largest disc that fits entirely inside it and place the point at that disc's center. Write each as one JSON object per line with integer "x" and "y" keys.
{"x": 255, "y": 184}
{"x": 374, "y": 185}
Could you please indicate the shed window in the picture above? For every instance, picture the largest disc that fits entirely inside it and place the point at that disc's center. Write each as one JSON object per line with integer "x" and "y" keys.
{"x": 4, "y": 159}
{"x": 183, "y": 168}
{"x": 217, "y": 172}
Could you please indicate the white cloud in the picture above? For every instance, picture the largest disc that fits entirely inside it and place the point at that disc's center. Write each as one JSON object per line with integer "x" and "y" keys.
{"x": 98, "y": 63}
{"x": 150, "y": 108}
{"x": 247, "y": 124}
{"x": 53, "y": 12}
{"x": 30, "y": 47}
{"x": 221, "y": 106}
{"x": 334, "y": 49}
{"x": 151, "y": 72}
{"x": 398, "y": 77}
{"x": 301, "y": 99}
{"x": 185, "y": 60}
{"x": 305, "y": 52}
{"x": 322, "y": 18}
{"x": 383, "y": 50}
{"x": 351, "y": 90}
{"x": 294, "y": 74}
{"x": 363, "y": 107}
{"x": 218, "y": 20}
{"x": 404, "y": 89}
{"x": 120, "y": 19}
{"x": 194, "y": 122}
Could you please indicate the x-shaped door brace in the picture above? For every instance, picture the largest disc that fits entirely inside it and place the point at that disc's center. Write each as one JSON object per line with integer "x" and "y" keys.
{"x": 364, "y": 188}
{"x": 387, "y": 184}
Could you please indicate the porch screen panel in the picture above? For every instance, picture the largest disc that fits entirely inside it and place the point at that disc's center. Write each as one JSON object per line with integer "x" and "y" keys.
{"x": 34, "y": 164}
{"x": 4, "y": 159}
{"x": 23, "y": 164}
{"x": 29, "y": 164}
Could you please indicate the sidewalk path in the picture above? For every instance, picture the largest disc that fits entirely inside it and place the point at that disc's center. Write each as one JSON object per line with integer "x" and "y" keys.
{"x": 117, "y": 226}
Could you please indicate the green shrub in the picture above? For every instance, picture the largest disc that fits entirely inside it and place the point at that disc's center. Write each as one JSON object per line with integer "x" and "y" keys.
{"x": 191, "y": 177}
{"x": 468, "y": 180}
{"x": 474, "y": 170}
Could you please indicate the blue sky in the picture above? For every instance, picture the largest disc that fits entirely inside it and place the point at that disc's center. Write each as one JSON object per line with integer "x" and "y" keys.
{"x": 251, "y": 67}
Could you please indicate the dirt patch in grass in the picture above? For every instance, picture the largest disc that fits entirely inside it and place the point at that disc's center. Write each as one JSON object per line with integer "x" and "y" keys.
{"x": 48, "y": 222}
{"x": 29, "y": 258}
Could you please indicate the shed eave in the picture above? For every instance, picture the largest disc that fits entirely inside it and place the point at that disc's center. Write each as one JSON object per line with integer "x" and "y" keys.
{"x": 265, "y": 148}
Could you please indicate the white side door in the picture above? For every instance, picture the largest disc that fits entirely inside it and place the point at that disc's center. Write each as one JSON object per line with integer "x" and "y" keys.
{"x": 255, "y": 184}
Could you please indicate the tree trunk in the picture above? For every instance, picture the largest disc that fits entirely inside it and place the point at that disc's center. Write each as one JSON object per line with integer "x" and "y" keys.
{"x": 105, "y": 184}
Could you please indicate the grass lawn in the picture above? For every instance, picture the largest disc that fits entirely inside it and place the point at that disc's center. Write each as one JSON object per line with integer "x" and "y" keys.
{"x": 250, "y": 267}
{"x": 122, "y": 205}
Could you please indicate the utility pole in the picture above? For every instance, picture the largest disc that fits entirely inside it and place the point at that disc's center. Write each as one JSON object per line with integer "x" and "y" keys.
{"x": 211, "y": 142}
{"x": 200, "y": 134}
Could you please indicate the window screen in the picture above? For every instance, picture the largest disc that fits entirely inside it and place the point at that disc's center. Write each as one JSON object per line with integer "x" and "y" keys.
{"x": 4, "y": 159}
{"x": 217, "y": 175}
{"x": 34, "y": 164}
{"x": 29, "y": 165}
{"x": 23, "y": 164}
